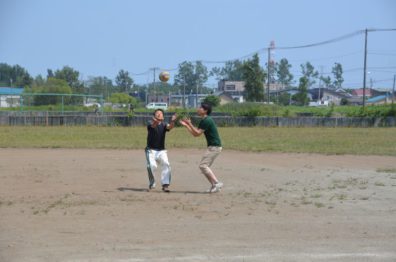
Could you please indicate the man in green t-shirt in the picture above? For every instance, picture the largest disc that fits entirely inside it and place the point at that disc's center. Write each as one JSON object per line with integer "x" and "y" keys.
{"x": 208, "y": 127}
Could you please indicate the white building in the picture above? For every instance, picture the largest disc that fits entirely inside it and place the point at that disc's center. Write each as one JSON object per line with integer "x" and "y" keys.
{"x": 10, "y": 96}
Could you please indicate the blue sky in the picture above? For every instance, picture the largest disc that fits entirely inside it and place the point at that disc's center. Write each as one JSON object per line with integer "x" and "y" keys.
{"x": 99, "y": 38}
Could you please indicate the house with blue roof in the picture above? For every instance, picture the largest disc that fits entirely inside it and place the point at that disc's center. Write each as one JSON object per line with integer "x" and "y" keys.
{"x": 10, "y": 96}
{"x": 381, "y": 99}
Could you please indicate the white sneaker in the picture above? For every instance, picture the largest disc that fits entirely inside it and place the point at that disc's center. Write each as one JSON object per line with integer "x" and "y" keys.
{"x": 152, "y": 186}
{"x": 216, "y": 187}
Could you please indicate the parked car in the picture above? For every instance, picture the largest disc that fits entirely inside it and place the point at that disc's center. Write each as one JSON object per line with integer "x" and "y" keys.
{"x": 319, "y": 103}
{"x": 157, "y": 105}
{"x": 92, "y": 104}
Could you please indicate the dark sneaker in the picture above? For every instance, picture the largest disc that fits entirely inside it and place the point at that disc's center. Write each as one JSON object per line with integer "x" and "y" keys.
{"x": 165, "y": 188}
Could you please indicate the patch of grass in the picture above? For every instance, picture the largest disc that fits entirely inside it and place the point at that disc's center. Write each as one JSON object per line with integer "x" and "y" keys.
{"x": 339, "y": 197}
{"x": 317, "y": 195}
{"x": 304, "y": 201}
{"x": 386, "y": 170}
{"x": 379, "y": 183}
{"x": 378, "y": 141}
{"x": 319, "y": 205}
{"x": 342, "y": 197}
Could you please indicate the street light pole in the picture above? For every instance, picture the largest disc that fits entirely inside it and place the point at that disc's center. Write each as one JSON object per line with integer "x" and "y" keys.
{"x": 365, "y": 68}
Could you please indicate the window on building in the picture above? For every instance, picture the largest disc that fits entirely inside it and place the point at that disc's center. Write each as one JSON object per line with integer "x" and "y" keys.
{"x": 230, "y": 88}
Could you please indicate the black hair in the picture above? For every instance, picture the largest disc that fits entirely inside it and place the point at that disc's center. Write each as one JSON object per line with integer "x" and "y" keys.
{"x": 207, "y": 107}
{"x": 158, "y": 109}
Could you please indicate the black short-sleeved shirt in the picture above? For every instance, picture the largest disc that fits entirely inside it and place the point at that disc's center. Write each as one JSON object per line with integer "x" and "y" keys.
{"x": 156, "y": 136}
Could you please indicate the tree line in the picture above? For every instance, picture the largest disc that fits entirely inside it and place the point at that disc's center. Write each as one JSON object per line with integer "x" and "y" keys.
{"x": 190, "y": 78}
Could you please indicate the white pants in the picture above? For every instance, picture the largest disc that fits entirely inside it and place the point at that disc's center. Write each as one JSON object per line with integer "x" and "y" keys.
{"x": 157, "y": 158}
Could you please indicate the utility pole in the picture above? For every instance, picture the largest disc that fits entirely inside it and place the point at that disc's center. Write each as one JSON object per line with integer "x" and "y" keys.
{"x": 155, "y": 91}
{"x": 268, "y": 77}
{"x": 393, "y": 90}
{"x": 320, "y": 83}
{"x": 184, "y": 93}
{"x": 365, "y": 68}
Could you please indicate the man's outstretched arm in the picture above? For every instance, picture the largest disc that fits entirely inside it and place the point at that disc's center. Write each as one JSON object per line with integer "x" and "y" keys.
{"x": 191, "y": 128}
{"x": 172, "y": 122}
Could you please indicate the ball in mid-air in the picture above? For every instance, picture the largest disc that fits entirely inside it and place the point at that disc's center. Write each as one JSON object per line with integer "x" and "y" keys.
{"x": 164, "y": 76}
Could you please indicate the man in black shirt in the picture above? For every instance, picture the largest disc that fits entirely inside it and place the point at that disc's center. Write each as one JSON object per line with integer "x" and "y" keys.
{"x": 155, "y": 150}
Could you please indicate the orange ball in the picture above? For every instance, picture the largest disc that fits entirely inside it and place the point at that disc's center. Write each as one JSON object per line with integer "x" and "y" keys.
{"x": 164, "y": 76}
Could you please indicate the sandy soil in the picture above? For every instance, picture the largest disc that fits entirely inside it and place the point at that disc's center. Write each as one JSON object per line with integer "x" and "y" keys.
{"x": 93, "y": 205}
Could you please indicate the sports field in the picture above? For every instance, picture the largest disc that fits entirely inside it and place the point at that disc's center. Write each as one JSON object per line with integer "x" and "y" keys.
{"x": 63, "y": 203}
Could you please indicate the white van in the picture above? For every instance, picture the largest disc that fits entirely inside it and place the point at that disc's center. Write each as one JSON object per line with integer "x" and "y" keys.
{"x": 157, "y": 105}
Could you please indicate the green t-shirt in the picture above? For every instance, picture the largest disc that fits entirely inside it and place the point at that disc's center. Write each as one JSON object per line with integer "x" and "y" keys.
{"x": 211, "y": 134}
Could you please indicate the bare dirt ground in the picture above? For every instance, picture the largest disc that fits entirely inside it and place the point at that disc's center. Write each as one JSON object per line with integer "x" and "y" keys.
{"x": 93, "y": 205}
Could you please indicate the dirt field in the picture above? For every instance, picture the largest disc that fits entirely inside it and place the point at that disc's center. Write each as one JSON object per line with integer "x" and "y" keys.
{"x": 93, "y": 205}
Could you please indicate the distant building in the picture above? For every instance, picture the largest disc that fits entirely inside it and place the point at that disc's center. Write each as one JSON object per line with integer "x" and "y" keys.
{"x": 327, "y": 95}
{"x": 158, "y": 98}
{"x": 275, "y": 87}
{"x": 231, "y": 91}
{"x": 231, "y": 86}
{"x": 359, "y": 92}
{"x": 190, "y": 100}
{"x": 228, "y": 97}
{"x": 10, "y": 96}
{"x": 380, "y": 100}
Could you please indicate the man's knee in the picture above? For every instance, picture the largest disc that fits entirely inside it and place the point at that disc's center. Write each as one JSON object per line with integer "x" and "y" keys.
{"x": 153, "y": 166}
{"x": 203, "y": 167}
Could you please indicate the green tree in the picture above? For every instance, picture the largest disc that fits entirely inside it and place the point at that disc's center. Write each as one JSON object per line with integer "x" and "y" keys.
{"x": 124, "y": 81}
{"x": 301, "y": 97}
{"x": 344, "y": 101}
{"x": 50, "y": 73}
{"x": 283, "y": 72}
{"x": 232, "y": 71}
{"x": 283, "y": 99}
{"x": 337, "y": 72}
{"x": 39, "y": 81}
{"x": 326, "y": 81}
{"x": 51, "y": 86}
{"x": 100, "y": 85}
{"x": 309, "y": 73}
{"x": 185, "y": 77}
{"x": 191, "y": 76}
{"x": 213, "y": 100}
{"x": 201, "y": 74}
{"x": 122, "y": 98}
{"x": 14, "y": 76}
{"x": 69, "y": 75}
{"x": 254, "y": 77}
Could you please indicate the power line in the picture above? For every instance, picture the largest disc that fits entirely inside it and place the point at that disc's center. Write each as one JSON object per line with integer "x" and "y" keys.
{"x": 382, "y": 54}
{"x": 327, "y": 58}
{"x": 337, "y": 39}
{"x": 262, "y": 50}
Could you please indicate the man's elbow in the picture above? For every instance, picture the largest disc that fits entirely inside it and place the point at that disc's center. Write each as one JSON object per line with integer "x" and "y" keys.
{"x": 197, "y": 134}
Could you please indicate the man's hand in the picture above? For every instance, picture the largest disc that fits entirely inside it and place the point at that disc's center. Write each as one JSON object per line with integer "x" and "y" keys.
{"x": 174, "y": 117}
{"x": 156, "y": 120}
{"x": 190, "y": 127}
{"x": 187, "y": 121}
{"x": 172, "y": 122}
{"x": 182, "y": 122}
